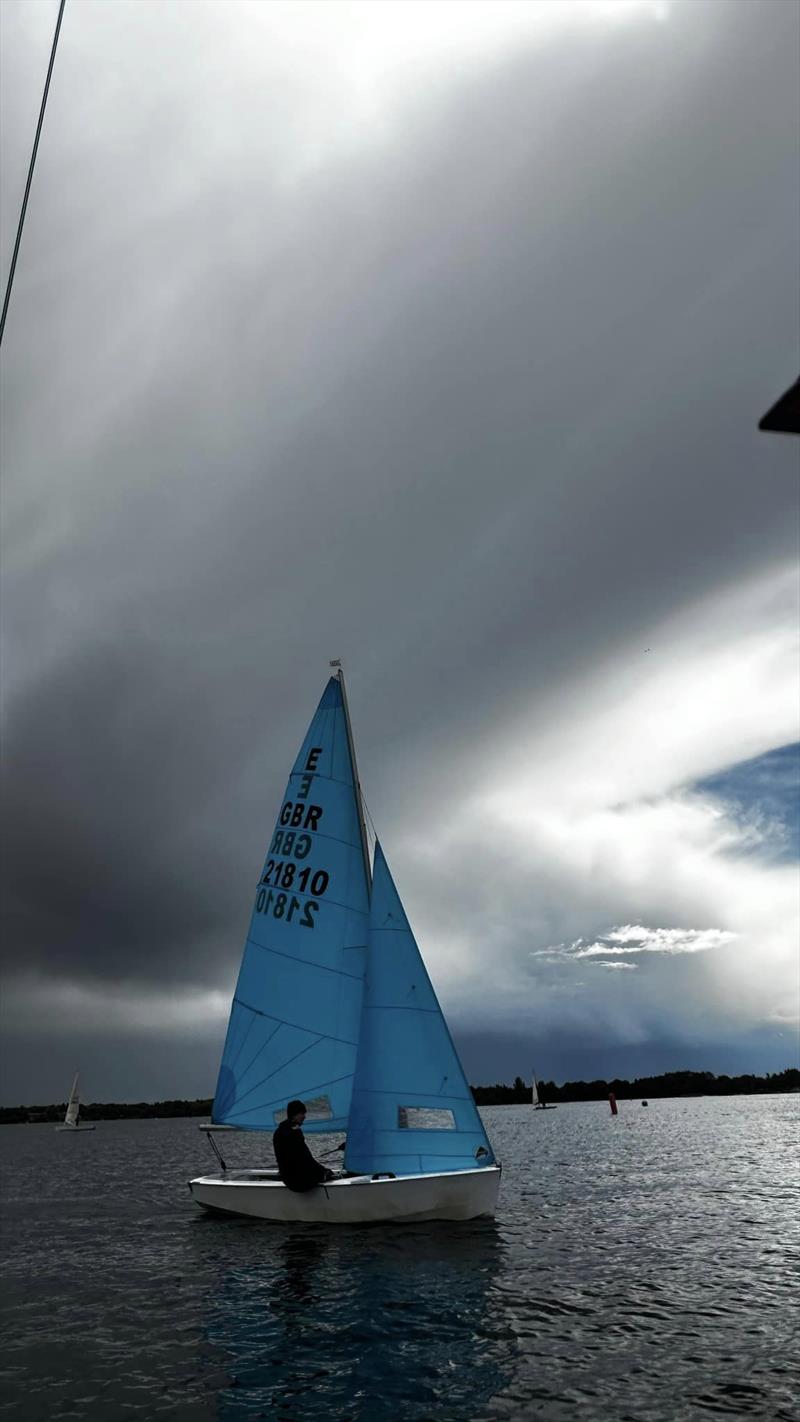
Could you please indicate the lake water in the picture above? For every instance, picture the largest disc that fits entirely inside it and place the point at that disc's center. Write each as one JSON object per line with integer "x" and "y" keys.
{"x": 639, "y": 1268}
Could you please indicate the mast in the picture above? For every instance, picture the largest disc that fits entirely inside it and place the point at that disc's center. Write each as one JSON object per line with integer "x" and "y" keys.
{"x": 359, "y": 799}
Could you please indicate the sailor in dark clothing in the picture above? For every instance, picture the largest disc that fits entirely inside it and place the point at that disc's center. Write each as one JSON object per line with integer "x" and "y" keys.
{"x": 296, "y": 1165}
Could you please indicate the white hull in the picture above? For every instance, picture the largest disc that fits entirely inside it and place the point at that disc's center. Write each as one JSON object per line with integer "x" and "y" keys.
{"x": 451, "y": 1195}
{"x": 73, "y": 1130}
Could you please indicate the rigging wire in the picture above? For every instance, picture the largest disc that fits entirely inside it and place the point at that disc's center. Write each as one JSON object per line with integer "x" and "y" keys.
{"x": 30, "y": 170}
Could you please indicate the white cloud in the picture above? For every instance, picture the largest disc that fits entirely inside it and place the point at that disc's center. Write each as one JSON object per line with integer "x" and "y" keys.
{"x": 591, "y": 821}
{"x": 630, "y": 966}
{"x": 718, "y": 685}
{"x": 636, "y": 939}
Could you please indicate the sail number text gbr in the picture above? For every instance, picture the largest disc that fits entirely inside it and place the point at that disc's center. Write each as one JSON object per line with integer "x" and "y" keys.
{"x": 292, "y": 841}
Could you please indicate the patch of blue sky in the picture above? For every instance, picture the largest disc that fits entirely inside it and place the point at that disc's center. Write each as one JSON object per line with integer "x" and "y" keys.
{"x": 763, "y": 795}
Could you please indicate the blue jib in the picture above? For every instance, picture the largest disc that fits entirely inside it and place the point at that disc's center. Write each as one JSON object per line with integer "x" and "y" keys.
{"x": 412, "y": 1109}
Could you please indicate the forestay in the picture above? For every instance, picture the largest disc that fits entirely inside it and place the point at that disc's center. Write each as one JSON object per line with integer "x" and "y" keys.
{"x": 412, "y": 1110}
{"x": 295, "y": 1016}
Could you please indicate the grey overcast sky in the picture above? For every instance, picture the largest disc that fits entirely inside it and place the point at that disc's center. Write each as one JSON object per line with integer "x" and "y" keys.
{"x": 433, "y": 336}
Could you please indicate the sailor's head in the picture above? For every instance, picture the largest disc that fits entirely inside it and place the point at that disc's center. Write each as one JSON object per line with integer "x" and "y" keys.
{"x": 295, "y": 1113}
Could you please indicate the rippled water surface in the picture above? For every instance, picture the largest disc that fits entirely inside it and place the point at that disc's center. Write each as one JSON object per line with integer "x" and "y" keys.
{"x": 639, "y": 1268}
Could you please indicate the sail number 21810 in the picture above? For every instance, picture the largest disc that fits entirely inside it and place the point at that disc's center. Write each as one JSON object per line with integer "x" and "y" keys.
{"x": 298, "y": 821}
{"x": 283, "y": 874}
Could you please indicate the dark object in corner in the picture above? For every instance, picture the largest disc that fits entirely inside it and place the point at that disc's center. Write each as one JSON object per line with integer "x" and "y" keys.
{"x": 784, "y": 417}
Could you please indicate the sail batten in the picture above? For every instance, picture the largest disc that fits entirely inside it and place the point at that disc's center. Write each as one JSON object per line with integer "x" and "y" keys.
{"x": 298, "y": 997}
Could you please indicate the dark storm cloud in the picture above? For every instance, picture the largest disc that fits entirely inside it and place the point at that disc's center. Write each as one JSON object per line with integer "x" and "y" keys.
{"x": 113, "y": 866}
{"x": 467, "y": 407}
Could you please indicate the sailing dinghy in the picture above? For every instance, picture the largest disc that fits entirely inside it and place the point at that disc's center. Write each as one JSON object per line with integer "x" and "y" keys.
{"x": 334, "y": 1007}
{"x": 537, "y": 1096}
{"x": 72, "y": 1119}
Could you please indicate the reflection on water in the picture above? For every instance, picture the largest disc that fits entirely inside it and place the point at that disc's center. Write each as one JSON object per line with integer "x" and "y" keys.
{"x": 373, "y": 1324}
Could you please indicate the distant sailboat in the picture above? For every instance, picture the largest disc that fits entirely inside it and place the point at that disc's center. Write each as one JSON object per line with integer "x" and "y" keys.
{"x": 334, "y": 1007}
{"x": 537, "y": 1097}
{"x": 72, "y": 1120}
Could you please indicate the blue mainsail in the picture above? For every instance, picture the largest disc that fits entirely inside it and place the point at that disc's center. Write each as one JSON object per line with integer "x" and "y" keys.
{"x": 412, "y": 1111}
{"x": 295, "y": 1017}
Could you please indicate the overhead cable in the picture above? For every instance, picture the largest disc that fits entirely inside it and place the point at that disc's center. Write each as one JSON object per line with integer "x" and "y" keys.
{"x": 30, "y": 171}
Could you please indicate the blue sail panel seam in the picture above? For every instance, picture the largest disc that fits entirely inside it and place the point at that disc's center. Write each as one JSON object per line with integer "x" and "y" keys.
{"x": 318, "y": 834}
{"x": 256, "y": 1054}
{"x": 307, "y": 963}
{"x": 282, "y": 1067}
{"x": 390, "y": 1007}
{"x": 303, "y": 1091}
{"x": 300, "y": 893}
{"x": 283, "y": 1022}
{"x": 240, "y": 1047}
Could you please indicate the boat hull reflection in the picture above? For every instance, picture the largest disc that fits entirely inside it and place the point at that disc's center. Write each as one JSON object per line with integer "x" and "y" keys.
{"x": 382, "y": 1325}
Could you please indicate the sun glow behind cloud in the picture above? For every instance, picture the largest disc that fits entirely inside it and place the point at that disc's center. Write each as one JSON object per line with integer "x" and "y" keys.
{"x": 371, "y": 45}
{"x": 346, "y": 72}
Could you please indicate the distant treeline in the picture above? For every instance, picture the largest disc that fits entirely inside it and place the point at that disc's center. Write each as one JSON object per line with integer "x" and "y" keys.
{"x": 107, "y": 1111}
{"x": 672, "y": 1083}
